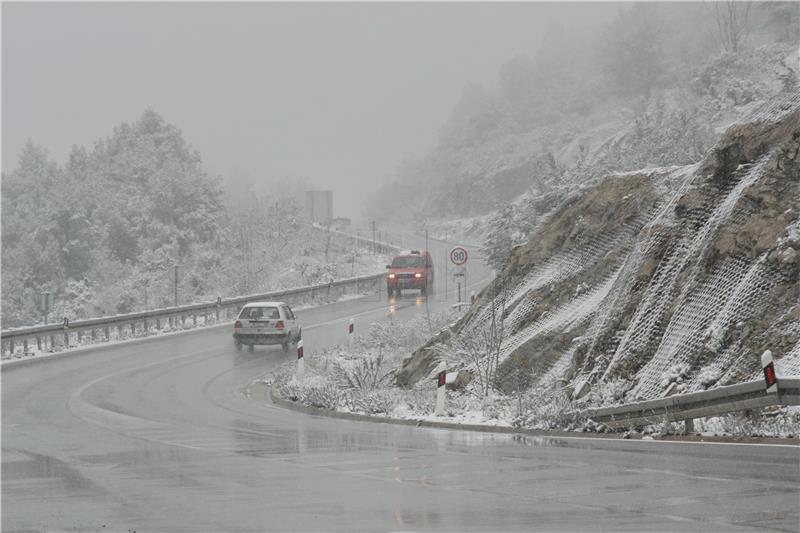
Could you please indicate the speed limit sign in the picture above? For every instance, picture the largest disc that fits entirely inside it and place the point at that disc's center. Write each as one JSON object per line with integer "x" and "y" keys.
{"x": 458, "y": 256}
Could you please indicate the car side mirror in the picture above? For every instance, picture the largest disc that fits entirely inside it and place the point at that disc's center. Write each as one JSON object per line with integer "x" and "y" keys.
{"x": 388, "y": 266}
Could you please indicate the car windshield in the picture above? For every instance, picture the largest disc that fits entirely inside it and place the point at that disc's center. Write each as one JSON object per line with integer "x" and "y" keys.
{"x": 408, "y": 262}
{"x": 261, "y": 313}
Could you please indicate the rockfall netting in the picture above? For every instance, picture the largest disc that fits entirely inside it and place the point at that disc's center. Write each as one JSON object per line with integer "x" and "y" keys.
{"x": 681, "y": 274}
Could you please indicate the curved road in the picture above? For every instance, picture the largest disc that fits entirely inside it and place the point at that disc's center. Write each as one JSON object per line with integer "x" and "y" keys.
{"x": 158, "y": 435}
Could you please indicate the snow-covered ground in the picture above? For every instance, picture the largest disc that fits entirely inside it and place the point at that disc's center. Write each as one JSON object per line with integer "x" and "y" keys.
{"x": 361, "y": 380}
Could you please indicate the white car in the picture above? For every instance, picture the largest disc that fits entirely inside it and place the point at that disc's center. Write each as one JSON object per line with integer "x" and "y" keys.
{"x": 266, "y": 323}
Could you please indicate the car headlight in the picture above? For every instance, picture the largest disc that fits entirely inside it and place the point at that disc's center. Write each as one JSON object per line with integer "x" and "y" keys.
{"x": 391, "y": 276}
{"x": 417, "y": 275}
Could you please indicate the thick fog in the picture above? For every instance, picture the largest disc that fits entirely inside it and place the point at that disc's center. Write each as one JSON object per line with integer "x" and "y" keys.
{"x": 335, "y": 94}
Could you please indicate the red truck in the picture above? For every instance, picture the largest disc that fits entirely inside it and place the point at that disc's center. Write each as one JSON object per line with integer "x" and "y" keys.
{"x": 410, "y": 270}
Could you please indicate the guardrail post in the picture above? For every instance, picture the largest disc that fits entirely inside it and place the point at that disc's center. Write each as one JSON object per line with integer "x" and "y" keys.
{"x": 52, "y": 342}
{"x": 119, "y": 331}
{"x": 25, "y": 346}
{"x": 183, "y": 321}
{"x": 158, "y": 324}
{"x": 688, "y": 425}
{"x": 11, "y": 346}
{"x": 79, "y": 333}
{"x": 194, "y": 319}
{"x": 133, "y": 329}
{"x": 39, "y": 343}
{"x": 107, "y": 333}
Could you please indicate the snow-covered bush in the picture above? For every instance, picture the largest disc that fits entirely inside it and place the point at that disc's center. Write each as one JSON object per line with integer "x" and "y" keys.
{"x": 675, "y": 374}
{"x": 366, "y": 373}
{"x": 546, "y": 409}
{"x": 420, "y": 400}
{"x": 708, "y": 376}
{"x": 324, "y": 395}
{"x": 406, "y": 335}
{"x": 373, "y": 402}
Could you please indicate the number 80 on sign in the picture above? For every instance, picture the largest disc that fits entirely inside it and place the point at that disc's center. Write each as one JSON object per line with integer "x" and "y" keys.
{"x": 458, "y": 256}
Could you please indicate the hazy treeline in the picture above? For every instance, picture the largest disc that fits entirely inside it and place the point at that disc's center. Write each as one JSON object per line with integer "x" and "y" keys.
{"x": 104, "y": 231}
{"x": 650, "y": 88}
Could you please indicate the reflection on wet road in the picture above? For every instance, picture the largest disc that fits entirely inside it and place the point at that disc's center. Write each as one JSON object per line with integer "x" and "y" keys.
{"x": 159, "y": 436}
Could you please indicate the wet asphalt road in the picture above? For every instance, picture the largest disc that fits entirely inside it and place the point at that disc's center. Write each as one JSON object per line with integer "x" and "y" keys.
{"x": 159, "y": 436}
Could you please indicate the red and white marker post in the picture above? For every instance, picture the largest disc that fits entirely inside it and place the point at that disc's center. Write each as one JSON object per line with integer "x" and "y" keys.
{"x": 770, "y": 377}
{"x": 350, "y": 332}
{"x": 301, "y": 365}
{"x": 440, "y": 392}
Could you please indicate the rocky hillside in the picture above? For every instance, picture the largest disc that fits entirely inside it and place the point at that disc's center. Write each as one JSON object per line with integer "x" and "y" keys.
{"x": 679, "y": 274}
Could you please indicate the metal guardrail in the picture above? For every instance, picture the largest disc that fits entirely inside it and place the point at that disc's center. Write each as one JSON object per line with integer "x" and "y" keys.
{"x": 379, "y": 246}
{"x": 729, "y": 399}
{"x": 53, "y": 337}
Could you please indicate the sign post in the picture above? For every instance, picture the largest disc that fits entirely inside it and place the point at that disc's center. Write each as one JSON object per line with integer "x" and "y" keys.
{"x": 45, "y": 303}
{"x": 459, "y": 256}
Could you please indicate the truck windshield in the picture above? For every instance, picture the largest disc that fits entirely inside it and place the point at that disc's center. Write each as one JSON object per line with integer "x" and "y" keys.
{"x": 408, "y": 262}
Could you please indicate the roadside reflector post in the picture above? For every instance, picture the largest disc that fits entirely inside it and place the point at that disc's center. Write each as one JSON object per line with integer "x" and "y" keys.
{"x": 301, "y": 365}
{"x": 350, "y": 332}
{"x": 441, "y": 382}
{"x": 770, "y": 377}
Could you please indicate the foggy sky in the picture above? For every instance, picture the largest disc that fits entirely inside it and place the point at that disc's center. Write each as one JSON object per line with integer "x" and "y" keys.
{"x": 336, "y": 93}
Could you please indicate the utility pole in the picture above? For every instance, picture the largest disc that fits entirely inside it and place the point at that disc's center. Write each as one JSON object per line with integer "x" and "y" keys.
{"x": 446, "y": 259}
{"x": 175, "y": 285}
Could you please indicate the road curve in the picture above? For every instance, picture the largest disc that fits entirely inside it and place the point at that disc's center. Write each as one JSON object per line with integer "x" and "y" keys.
{"x": 159, "y": 436}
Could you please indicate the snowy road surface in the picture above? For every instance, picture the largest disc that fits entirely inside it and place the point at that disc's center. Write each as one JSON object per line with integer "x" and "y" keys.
{"x": 158, "y": 436}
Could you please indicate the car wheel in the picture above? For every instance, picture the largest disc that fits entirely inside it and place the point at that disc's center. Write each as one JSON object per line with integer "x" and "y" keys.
{"x": 238, "y": 345}
{"x": 389, "y": 291}
{"x": 424, "y": 290}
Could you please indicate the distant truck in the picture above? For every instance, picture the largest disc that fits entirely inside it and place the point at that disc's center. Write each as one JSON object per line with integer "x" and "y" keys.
{"x": 412, "y": 269}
